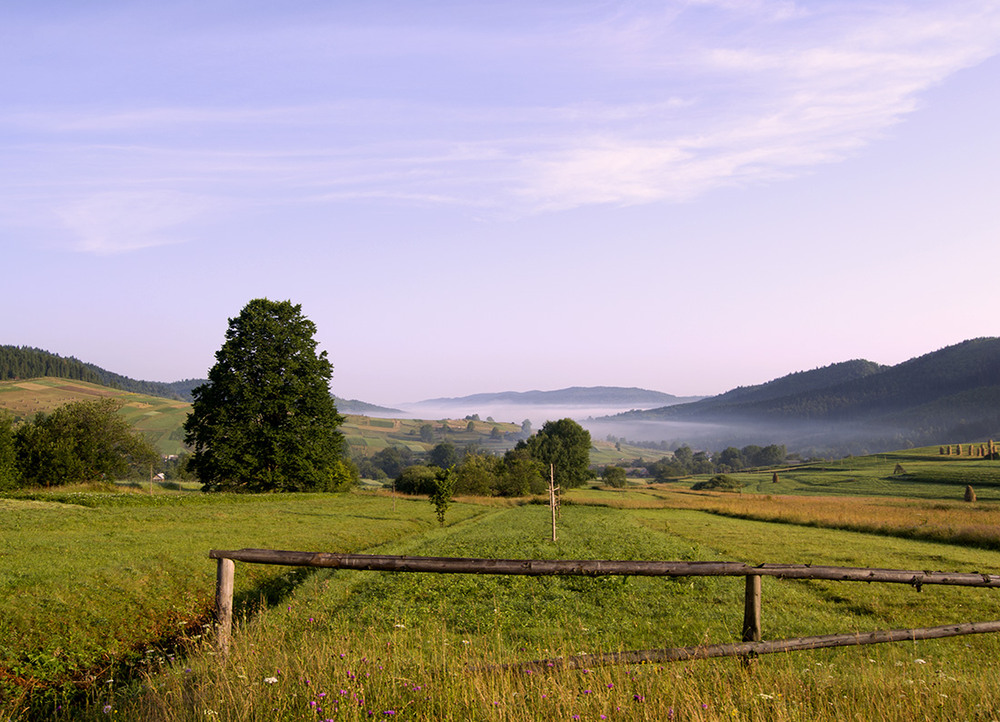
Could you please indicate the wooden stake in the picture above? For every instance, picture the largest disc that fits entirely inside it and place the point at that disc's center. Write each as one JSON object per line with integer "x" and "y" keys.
{"x": 225, "y": 574}
{"x": 751, "y": 609}
{"x": 552, "y": 497}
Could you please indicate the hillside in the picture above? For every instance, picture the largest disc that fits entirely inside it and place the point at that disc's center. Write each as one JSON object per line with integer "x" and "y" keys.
{"x": 950, "y": 393}
{"x": 23, "y": 362}
{"x": 160, "y": 419}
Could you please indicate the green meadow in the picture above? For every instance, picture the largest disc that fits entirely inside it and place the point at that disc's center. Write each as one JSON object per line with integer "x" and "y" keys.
{"x": 108, "y": 598}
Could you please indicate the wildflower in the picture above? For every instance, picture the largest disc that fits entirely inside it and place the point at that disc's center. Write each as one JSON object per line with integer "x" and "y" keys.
{"x": 670, "y": 712}
{"x": 399, "y": 626}
{"x": 107, "y": 709}
{"x": 270, "y": 680}
{"x": 611, "y": 685}
{"x": 586, "y": 691}
{"x": 638, "y": 697}
{"x": 920, "y": 661}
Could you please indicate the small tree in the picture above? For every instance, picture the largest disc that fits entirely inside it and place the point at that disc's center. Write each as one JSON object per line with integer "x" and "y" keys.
{"x": 444, "y": 487}
{"x": 564, "y": 444}
{"x": 614, "y": 476}
{"x": 444, "y": 455}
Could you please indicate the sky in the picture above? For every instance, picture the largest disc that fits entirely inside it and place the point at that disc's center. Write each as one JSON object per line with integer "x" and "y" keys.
{"x": 472, "y": 197}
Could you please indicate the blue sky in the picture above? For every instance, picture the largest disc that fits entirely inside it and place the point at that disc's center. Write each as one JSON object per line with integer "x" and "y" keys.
{"x": 472, "y": 197}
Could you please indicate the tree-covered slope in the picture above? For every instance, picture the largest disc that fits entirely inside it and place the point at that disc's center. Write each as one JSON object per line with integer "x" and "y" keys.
{"x": 23, "y": 362}
{"x": 957, "y": 382}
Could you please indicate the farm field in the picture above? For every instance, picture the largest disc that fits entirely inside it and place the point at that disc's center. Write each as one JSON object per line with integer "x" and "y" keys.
{"x": 162, "y": 421}
{"x": 92, "y": 578}
{"x": 159, "y": 419}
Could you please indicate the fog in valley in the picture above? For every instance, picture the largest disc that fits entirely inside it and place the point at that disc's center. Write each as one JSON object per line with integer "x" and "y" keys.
{"x": 825, "y": 439}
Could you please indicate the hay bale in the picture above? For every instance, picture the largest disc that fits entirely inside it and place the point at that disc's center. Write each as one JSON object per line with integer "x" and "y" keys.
{"x": 970, "y": 494}
{"x": 774, "y": 478}
{"x": 898, "y": 470}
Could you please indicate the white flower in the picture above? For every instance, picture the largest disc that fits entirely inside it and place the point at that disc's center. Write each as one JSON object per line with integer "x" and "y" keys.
{"x": 919, "y": 661}
{"x": 270, "y": 680}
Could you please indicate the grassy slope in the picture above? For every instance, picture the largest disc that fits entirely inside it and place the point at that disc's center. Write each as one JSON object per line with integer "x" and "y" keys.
{"x": 162, "y": 420}
{"x": 159, "y": 418}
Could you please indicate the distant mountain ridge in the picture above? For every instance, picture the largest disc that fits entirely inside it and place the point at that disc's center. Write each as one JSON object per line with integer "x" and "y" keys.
{"x": 950, "y": 393}
{"x": 572, "y": 396}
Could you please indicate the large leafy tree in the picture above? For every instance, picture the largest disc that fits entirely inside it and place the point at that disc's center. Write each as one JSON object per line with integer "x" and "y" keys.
{"x": 266, "y": 421}
{"x": 565, "y": 445}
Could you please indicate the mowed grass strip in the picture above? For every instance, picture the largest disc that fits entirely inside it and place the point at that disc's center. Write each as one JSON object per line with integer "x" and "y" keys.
{"x": 86, "y": 584}
{"x": 359, "y": 645}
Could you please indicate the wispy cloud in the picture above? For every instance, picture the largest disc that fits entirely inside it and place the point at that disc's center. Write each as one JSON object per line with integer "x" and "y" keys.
{"x": 122, "y": 221}
{"x": 644, "y": 105}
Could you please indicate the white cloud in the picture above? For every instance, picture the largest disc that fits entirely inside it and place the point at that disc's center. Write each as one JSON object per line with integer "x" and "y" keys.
{"x": 639, "y": 106}
{"x": 122, "y": 221}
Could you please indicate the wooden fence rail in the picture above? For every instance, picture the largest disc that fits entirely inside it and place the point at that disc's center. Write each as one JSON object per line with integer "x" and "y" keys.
{"x": 752, "y": 644}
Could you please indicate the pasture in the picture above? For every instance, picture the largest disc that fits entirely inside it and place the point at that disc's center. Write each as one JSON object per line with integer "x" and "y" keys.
{"x": 109, "y": 593}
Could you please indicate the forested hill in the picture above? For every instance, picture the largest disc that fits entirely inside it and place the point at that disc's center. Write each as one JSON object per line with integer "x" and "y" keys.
{"x": 23, "y": 362}
{"x": 574, "y": 396}
{"x": 955, "y": 387}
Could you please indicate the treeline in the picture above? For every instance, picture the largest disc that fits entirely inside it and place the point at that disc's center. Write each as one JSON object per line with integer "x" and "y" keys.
{"x": 79, "y": 442}
{"x": 563, "y": 446}
{"x": 685, "y": 461}
{"x": 23, "y": 362}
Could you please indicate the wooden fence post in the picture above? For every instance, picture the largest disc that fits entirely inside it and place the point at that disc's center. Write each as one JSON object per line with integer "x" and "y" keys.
{"x": 751, "y": 614}
{"x": 225, "y": 574}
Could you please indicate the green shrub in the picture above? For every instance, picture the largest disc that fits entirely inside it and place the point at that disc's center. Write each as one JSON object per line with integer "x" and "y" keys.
{"x": 720, "y": 482}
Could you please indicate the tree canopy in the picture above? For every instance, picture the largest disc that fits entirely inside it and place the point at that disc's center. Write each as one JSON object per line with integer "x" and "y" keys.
{"x": 564, "y": 444}
{"x": 266, "y": 421}
{"x": 81, "y": 441}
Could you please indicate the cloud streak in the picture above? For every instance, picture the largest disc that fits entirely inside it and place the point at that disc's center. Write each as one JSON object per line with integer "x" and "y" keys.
{"x": 668, "y": 104}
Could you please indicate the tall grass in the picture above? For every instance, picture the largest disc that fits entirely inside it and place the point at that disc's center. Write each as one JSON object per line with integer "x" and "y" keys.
{"x": 358, "y": 645}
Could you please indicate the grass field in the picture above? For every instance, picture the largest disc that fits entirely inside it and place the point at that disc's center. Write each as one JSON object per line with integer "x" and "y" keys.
{"x": 162, "y": 421}
{"x": 97, "y": 578}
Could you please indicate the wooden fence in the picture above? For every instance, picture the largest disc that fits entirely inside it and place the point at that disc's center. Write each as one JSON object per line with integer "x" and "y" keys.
{"x": 751, "y": 646}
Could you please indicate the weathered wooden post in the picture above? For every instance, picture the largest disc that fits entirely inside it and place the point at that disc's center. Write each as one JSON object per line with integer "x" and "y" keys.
{"x": 751, "y": 609}
{"x": 553, "y": 501}
{"x": 751, "y": 614}
{"x": 225, "y": 574}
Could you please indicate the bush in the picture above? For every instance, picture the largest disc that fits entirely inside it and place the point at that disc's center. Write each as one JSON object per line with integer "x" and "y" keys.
{"x": 614, "y": 476}
{"x": 720, "y": 482}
